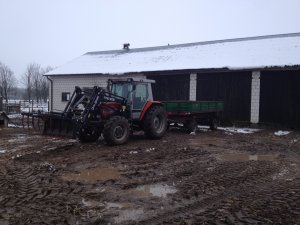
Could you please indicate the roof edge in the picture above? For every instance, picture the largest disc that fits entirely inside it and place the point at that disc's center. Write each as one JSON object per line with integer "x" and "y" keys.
{"x": 262, "y": 37}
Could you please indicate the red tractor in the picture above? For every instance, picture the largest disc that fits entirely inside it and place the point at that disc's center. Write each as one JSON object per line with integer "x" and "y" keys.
{"x": 125, "y": 106}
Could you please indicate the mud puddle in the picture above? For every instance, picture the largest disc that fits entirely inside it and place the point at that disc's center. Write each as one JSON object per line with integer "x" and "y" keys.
{"x": 107, "y": 205}
{"x": 158, "y": 190}
{"x": 93, "y": 175}
{"x": 247, "y": 157}
{"x": 129, "y": 214}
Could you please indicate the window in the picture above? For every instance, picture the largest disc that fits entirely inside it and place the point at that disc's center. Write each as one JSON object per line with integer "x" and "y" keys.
{"x": 140, "y": 96}
{"x": 65, "y": 96}
{"x": 122, "y": 89}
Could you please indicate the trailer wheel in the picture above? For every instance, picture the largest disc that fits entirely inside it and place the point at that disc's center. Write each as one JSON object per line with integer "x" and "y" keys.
{"x": 155, "y": 122}
{"x": 214, "y": 123}
{"x": 89, "y": 134}
{"x": 191, "y": 125}
{"x": 116, "y": 130}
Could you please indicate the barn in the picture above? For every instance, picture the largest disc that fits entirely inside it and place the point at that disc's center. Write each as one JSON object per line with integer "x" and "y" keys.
{"x": 258, "y": 78}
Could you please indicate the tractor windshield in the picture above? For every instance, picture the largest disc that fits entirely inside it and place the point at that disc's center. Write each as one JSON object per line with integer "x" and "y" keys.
{"x": 122, "y": 89}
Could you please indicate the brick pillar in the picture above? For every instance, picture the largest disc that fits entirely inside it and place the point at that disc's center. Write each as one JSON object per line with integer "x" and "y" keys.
{"x": 193, "y": 86}
{"x": 255, "y": 92}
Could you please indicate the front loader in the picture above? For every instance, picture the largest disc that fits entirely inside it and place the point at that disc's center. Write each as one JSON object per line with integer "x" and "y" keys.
{"x": 125, "y": 106}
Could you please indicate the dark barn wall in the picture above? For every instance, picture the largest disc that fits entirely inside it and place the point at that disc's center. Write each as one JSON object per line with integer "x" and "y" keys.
{"x": 234, "y": 88}
{"x": 280, "y": 98}
{"x": 170, "y": 87}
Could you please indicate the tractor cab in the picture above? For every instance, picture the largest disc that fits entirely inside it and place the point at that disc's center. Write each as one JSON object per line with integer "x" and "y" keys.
{"x": 137, "y": 92}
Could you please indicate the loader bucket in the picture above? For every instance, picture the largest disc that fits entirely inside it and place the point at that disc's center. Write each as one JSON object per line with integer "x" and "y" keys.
{"x": 59, "y": 125}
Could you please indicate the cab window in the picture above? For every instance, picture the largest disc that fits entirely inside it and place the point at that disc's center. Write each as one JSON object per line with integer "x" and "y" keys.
{"x": 121, "y": 89}
{"x": 140, "y": 96}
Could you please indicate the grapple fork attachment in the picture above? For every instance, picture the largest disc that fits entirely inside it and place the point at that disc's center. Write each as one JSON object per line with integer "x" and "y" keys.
{"x": 59, "y": 125}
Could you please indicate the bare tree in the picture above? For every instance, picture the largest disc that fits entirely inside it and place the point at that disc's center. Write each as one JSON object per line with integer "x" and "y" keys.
{"x": 36, "y": 84}
{"x": 29, "y": 76}
{"x": 45, "y": 84}
{"x": 7, "y": 81}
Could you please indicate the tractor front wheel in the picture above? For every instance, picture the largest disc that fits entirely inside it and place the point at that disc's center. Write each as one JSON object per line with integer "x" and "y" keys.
{"x": 155, "y": 122}
{"x": 116, "y": 130}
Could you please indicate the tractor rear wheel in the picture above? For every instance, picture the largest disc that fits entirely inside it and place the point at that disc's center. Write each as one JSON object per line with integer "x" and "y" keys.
{"x": 89, "y": 134}
{"x": 155, "y": 122}
{"x": 116, "y": 130}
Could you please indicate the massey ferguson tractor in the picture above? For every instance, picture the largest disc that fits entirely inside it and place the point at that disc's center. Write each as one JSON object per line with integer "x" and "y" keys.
{"x": 125, "y": 106}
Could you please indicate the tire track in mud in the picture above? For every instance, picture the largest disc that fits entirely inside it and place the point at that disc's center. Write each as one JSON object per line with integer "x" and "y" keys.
{"x": 270, "y": 204}
{"x": 228, "y": 181}
{"x": 28, "y": 195}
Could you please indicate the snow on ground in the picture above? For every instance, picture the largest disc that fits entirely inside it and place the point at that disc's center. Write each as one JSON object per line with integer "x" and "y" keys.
{"x": 231, "y": 130}
{"x": 13, "y": 116}
{"x": 239, "y": 130}
{"x": 281, "y": 133}
{"x": 26, "y": 106}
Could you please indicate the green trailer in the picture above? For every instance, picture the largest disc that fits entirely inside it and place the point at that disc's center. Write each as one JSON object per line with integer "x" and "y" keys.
{"x": 192, "y": 113}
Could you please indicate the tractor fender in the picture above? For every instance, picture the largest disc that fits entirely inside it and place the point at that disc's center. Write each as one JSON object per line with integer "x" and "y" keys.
{"x": 147, "y": 106}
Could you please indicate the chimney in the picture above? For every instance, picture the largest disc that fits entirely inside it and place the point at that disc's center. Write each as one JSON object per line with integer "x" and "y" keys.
{"x": 126, "y": 46}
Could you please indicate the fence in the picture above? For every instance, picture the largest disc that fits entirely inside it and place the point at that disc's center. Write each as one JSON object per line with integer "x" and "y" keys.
{"x": 18, "y": 106}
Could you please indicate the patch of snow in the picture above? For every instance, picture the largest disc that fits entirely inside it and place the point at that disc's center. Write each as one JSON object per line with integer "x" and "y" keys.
{"x": 281, "y": 133}
{"x": 231, "y": 130}
{"x": 150, "y": 149}
{"x": 203, "y": 128}
{"x": 133, "y": 152}
{"x": 193, "y": 133}
{"x": 48, "y": 166}
{"x": 13, "y": 116}
{"x": 14, "y": 126}
{"x": 2, "y": 151}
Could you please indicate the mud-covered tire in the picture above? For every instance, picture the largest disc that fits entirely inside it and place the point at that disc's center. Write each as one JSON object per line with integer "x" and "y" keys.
{"x": 88, "y": 134}
{"x": 116, "y": 130}
{"x": 155, "y": 122}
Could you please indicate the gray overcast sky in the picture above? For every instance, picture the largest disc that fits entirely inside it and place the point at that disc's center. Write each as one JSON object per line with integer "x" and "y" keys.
{"x": 54, "y": 32}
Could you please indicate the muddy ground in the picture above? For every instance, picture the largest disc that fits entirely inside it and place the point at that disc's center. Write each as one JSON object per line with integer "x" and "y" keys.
{"x": 209, "y": 178}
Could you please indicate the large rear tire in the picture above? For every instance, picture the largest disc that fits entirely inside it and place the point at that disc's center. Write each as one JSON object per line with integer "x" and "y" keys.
{"x": 89, "y": 134}
{"x": 116, "y": 130}
{"x": 155, "y": 122}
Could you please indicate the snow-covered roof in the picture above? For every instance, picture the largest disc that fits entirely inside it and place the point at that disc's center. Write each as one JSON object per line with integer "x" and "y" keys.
{"x": 242, "y": 53}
